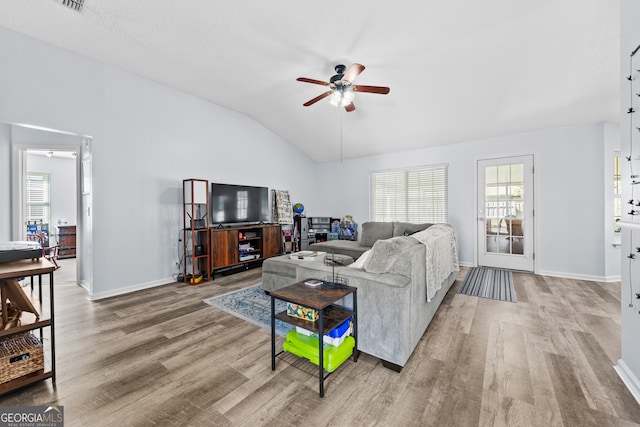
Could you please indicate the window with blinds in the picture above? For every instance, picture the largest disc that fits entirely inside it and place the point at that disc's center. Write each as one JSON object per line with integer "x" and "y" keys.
{"x": 411, "y": 195}
{"x": 38, "y": 197}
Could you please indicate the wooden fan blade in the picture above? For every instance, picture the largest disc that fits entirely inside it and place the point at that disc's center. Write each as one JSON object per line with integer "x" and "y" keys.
{"x": 318, "y": 98}
{"x": 353, "y": 72}
{"x": 316, "y": 82}
{"x": 350, "y": 107}
{"x": 371, "y": 89}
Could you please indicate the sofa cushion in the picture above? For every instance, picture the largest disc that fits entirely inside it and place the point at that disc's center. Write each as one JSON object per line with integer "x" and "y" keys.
{"x": 386, "y": 252}
{"x": 373, "y": 231}
{"x": 344, "y": 247}
{"x": 408, "y": 228}
{"x": 359, "y": 264}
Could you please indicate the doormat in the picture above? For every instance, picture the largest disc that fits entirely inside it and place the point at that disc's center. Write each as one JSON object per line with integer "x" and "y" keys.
{"x": 253, "y": 305}
{"x": 492, "y": 283}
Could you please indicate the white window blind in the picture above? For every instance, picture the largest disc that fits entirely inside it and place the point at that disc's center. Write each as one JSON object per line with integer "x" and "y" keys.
{"x": 411, "y": 195}
{"x": 38, "y": 197}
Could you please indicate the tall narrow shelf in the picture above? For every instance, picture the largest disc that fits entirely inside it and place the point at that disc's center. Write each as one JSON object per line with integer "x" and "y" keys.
{"x": 196, "y": 230}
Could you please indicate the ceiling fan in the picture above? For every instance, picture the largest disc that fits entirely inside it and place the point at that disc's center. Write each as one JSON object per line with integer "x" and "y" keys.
{"x": 341, "y": 87}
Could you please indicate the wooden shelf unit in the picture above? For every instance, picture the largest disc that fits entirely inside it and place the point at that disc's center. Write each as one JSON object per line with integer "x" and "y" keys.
{"x": 28, "y": 321}
{"x": 265, "y": 241}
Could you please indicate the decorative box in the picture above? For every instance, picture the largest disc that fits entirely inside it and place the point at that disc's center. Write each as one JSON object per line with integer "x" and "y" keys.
{"x": 20, "y": 355}
{"x": 302, "y": 312}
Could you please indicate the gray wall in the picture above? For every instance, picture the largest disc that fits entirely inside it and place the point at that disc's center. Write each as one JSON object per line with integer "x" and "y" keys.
{"x": 570, "y": 195}
{"x": 147, "y": 138}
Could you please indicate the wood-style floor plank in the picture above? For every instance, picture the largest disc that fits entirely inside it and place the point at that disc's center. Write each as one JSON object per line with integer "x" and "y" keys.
{"x": 163, "y": 357}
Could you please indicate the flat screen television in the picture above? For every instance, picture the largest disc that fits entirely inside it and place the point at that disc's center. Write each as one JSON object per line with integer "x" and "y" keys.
{"x": 239, "y": 204}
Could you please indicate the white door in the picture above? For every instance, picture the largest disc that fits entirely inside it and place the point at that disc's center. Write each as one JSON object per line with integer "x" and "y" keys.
{"x": 505, "y": 213}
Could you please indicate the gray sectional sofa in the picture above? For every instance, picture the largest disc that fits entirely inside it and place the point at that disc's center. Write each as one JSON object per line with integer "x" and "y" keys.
{"x": 393, "y": 278}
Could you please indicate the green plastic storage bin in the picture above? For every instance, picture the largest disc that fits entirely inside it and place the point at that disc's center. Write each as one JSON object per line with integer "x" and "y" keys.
{"x": 307, "y": 347}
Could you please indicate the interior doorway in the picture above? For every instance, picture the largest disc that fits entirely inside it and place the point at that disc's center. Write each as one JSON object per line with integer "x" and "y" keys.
{"x": 505, "y": 213}
{"x": 51, "y": 200}
{"x": 26, "y": 139}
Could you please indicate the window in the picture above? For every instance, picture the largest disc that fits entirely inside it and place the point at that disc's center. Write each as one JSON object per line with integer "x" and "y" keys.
{"x": 617, "y": 194}
{"x": 411, "y": 195}
{"x": 38, "y": 197}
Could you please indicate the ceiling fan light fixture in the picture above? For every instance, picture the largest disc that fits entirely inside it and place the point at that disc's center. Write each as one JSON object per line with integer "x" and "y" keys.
{"x": 341, "y": 97}
{"x": 341, "y": 88}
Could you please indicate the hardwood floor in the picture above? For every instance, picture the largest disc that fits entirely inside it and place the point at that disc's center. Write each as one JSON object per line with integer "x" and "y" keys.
{"x": 163, "y": 357}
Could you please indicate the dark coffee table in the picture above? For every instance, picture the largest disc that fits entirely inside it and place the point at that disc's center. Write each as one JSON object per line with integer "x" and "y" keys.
{"x": 322, "y": 299}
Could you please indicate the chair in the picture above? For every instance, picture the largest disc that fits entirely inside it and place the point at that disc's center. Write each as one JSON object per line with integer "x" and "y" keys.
{"x": 515, "y": 227}
{"x": 499, "y": 230}
{"x": 48, "y": 252}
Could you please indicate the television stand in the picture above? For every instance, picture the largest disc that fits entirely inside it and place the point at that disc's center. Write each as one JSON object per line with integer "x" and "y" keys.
{"x": 244, "y": 244}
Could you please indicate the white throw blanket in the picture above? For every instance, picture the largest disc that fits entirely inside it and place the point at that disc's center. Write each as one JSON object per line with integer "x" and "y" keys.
{"x": 442, "y": 255}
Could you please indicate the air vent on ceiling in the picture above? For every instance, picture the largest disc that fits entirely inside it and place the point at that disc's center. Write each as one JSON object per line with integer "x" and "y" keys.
{"x": 74, "y": 4}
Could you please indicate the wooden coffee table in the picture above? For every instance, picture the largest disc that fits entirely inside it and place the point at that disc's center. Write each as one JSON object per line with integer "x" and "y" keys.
{"x": 322, "y": 299}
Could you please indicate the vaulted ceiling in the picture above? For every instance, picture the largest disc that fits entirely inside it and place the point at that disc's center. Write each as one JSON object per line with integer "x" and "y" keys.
{"x": 458, "y": 70}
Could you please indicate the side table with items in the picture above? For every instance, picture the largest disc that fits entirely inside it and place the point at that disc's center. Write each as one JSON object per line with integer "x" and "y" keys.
{"x": 22, "y": 354}
{"x": 322, "y": 315}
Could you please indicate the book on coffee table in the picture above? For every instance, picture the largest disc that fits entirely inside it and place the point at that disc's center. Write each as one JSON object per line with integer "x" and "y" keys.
{"x": 306, "y": 255}
{"x": 313, "y": 282}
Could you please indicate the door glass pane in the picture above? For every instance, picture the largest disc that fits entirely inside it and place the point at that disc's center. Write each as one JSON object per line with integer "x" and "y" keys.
{"x": 504, "y": 174}
{"x": 491, "y": 175}
{"x": 504, "y": 209}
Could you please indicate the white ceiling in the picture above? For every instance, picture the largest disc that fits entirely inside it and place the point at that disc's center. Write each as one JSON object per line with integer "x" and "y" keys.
{"x": 458, "y": 70}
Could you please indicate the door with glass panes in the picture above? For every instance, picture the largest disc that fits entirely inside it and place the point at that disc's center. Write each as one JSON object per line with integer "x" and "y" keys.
{"x": 505, "y": 213}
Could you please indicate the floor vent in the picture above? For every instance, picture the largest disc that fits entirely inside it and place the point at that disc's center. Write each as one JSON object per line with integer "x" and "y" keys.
{"x": 74, "y": 4}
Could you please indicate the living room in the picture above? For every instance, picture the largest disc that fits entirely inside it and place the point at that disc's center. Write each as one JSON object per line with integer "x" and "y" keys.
{"x": 146, "y": 137}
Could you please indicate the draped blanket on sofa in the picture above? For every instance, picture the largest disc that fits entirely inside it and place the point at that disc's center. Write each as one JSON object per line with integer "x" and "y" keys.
{"x": 442, "y": 255}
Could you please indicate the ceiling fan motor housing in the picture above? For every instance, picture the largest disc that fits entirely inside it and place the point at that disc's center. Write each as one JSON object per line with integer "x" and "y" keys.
{"x": 340, "y": 69}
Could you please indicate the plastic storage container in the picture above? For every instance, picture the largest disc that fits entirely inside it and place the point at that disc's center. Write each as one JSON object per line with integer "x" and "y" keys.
{"x": 307, "y": 347}
{"x": 334, "y": 337}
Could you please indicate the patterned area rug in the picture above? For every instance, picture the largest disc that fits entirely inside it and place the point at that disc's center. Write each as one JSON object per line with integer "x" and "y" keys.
{"x": 490, "y": 283}
{"x": 253, "y": 305}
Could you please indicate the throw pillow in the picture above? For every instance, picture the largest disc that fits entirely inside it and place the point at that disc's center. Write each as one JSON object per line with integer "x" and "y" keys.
{"x": 385, "y": 252}
{"x": 359, "y": 263}
{"x": 373, "y": 231}
{"x": 408, "y": 228}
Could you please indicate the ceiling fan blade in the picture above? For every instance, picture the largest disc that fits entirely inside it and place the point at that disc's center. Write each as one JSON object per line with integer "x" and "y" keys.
{"x": 350, "y": 107}
{"x": 317, "y": 82}
{"x": 371, "y": 89}
{"x": 318, "y": 98}
{"x": 353, "y": 72}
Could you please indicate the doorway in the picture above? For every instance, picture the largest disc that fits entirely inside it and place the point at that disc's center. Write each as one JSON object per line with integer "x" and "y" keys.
{"x": 26, "y": 138}
{"x": 51, "y": 201}
{"x": 505, "y": 213}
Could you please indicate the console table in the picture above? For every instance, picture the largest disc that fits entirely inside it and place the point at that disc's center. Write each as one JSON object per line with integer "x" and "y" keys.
{"x": 30, "y": 321}
{"x": 322, "y": 299}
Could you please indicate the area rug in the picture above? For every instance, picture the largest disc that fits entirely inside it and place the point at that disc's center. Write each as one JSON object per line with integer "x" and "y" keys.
{"x": 490, "y": 283}
{"x": 253, "y": 305}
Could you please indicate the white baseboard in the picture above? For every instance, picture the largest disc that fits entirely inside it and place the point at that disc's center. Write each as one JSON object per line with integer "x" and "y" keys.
{"x": 579, "y": 276}
{"x": 137, "y": 287}
{"x": 629, "y": 379}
